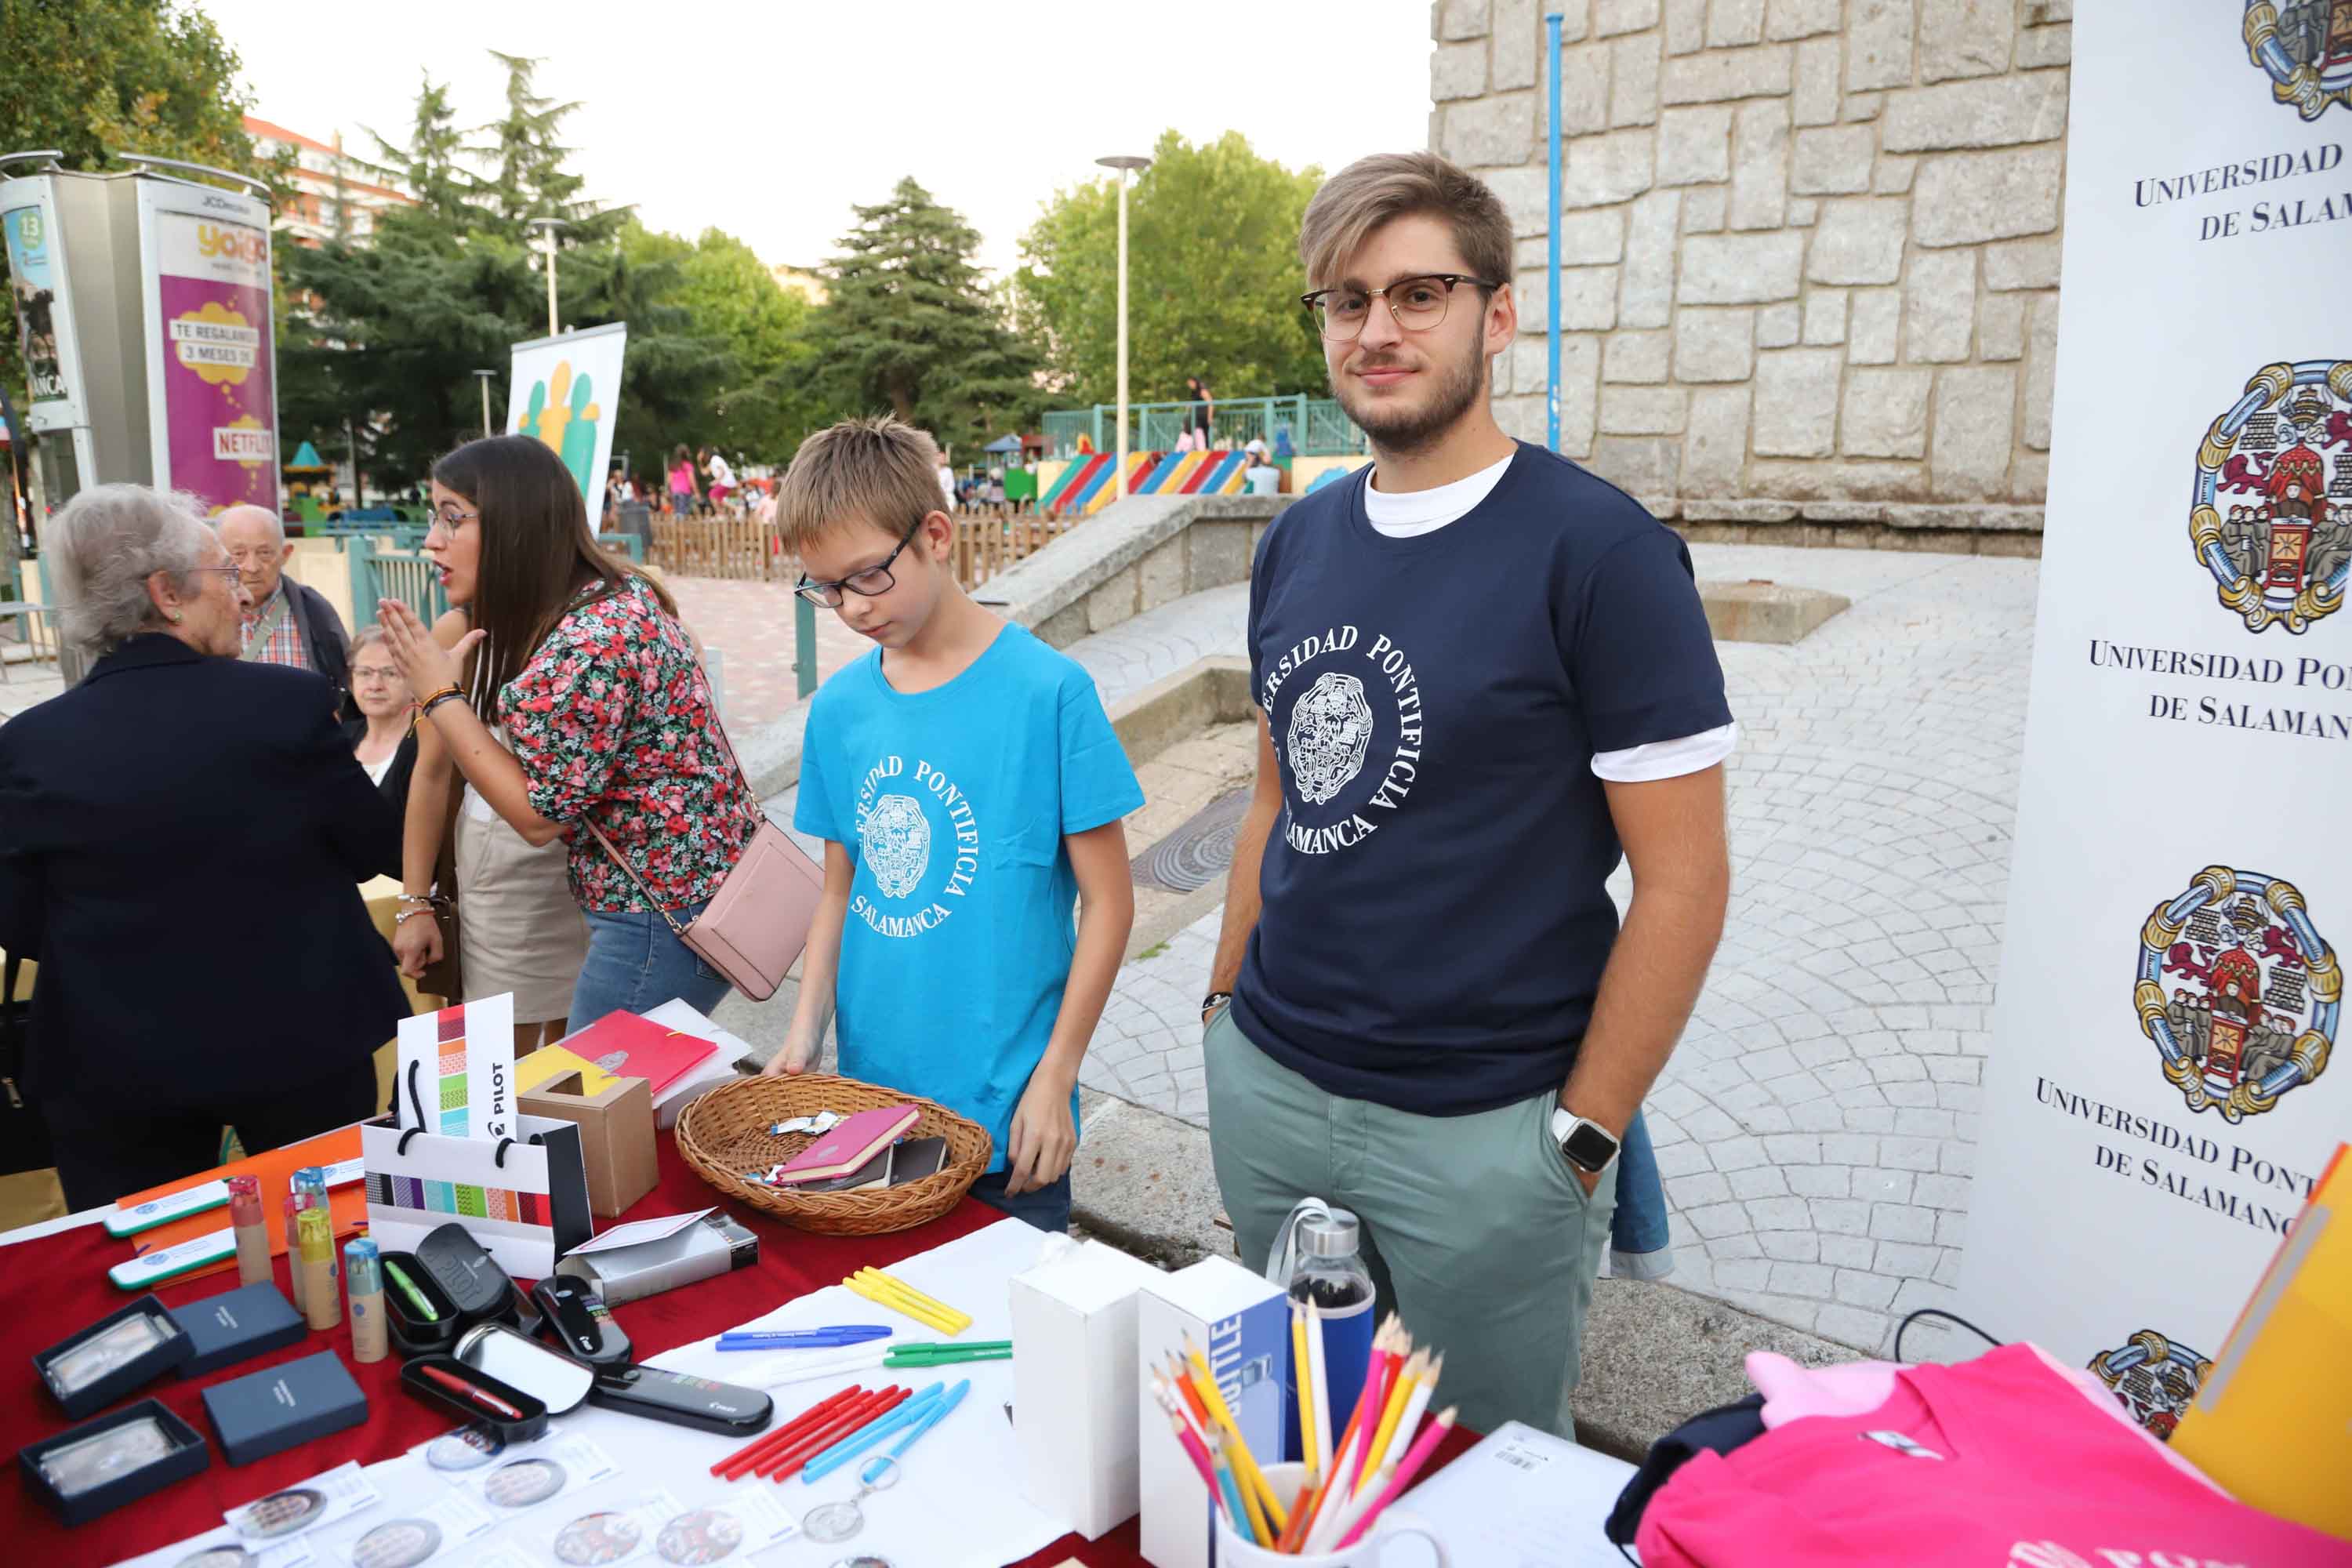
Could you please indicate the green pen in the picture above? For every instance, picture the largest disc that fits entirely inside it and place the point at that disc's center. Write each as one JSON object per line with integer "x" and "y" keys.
{"x": 949, "y": 1354}
{"x": 408, "y": 1289}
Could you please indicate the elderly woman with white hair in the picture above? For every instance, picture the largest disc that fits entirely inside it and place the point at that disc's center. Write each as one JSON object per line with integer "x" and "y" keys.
{"x": 181, "y": 838}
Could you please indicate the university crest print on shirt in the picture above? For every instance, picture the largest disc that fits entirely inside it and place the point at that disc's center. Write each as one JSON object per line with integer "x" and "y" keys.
{"x": 909, "y": 816}
{"x": 1350, "y": 740}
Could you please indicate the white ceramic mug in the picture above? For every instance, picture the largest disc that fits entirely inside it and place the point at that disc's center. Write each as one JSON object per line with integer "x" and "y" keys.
{"x": 1370, "y": 1550}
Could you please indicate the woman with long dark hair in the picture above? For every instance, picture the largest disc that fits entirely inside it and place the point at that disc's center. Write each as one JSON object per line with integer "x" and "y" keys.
{"x": 611, "y": 742}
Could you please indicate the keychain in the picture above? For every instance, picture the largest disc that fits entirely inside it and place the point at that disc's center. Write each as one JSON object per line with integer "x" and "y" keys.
{"x": 821, "y": 1123}
{"x": 835, "y": 1522}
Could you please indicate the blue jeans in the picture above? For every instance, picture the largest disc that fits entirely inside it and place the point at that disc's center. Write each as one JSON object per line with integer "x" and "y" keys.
{"x": 636, "y": 963}
{"x": 1046, "y": 1207}
{"x": 1637, "y": 1230}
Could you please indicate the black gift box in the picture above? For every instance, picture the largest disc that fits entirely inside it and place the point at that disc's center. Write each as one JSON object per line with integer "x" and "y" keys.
{"x": 236, "y": 1325}
{"x": 264, "y": 1412}
{"x": 171, "y": 1348}
{"x": 188, "y": 1456}
{"x": 534, "y": 1412}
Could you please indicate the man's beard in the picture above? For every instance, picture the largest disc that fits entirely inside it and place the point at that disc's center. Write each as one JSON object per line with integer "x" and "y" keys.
{"x": 1407, "y": 432}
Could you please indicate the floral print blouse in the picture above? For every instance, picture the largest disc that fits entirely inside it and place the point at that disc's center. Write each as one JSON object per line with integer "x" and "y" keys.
{"x": 612, "y": 722}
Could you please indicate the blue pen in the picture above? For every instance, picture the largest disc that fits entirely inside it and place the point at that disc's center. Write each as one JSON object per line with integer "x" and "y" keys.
{"x": 857, "y": 1442}
{"x": 771, "y": 1339}
{"x": 938, "y": 1411}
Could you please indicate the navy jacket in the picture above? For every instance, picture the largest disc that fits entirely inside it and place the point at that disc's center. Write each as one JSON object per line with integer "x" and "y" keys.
{"x": 182, "y": 841}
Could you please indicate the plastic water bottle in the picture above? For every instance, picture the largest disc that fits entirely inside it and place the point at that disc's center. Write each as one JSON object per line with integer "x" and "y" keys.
{"x": 1329, "y": 1276}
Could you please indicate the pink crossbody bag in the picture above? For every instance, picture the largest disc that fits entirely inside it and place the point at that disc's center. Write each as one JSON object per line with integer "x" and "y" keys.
{"x": 754, "y": 927}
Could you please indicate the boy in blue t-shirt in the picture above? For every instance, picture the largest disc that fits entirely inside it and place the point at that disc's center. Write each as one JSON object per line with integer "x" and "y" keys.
{"x": 970, "y": 790}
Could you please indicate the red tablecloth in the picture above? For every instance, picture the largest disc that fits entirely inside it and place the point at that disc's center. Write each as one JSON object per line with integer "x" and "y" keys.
{"x": 55, "y": 1286}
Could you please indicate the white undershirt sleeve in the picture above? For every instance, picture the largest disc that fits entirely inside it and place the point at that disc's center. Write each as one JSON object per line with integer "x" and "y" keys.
{"x": 1667, "y": 759}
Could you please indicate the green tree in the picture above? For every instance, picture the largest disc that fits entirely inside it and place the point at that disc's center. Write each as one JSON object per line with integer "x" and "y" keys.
{"x": 774, "y": 394}
{"x": 96, "y": 77}
{"x": 1213, "y": 278}
{"x": 909, "y": 326}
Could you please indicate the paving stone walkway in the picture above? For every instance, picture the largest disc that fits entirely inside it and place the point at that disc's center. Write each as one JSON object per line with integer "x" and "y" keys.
{"x": 1816, "y": 1126}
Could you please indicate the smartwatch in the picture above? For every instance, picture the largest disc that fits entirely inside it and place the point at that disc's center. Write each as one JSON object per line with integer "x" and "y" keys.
{"x": 1587, "y": 1145}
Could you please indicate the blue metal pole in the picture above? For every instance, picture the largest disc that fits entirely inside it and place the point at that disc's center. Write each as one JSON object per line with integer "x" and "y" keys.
{"x": 1551, "y": 242}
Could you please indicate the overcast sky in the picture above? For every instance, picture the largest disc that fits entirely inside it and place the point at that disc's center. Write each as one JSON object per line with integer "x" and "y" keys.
{"x": 770, "y": 119}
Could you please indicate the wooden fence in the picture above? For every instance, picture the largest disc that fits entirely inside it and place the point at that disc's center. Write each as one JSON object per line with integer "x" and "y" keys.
{"x": 720, "y": 547}
{"x": 993, "y": 540}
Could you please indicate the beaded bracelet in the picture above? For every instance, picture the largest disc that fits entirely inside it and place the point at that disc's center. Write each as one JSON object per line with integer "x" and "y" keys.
{"x": 450, "y": 694}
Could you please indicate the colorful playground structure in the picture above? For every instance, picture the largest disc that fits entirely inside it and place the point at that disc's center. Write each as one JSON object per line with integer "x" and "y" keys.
{"x": 1085, "y": 486}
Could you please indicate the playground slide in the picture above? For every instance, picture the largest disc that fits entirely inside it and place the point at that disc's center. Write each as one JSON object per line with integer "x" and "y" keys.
{"x": 1221, "y": 476}
{"x": 1329, "y": 477}
{"x": 1175, "y": 483}
{"x": 1077, "y": 475}
{"x": 1106, "y": 492}
{"x": 1154, "y": 481}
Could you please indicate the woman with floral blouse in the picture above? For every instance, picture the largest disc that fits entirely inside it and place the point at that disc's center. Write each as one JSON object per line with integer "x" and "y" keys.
{"x": 604, "y": 703}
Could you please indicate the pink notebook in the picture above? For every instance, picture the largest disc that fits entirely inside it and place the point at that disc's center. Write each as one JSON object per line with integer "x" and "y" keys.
{"x": 849, "y": 1145}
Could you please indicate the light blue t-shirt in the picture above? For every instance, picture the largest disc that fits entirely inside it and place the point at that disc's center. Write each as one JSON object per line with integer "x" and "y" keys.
{"x": 952, "y": 804}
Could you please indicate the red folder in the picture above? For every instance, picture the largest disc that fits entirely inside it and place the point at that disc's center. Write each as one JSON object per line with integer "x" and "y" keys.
{"x": 626, "y": 1046}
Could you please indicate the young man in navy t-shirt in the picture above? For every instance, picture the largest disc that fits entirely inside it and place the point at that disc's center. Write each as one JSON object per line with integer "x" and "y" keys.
{"x": 1485, "y": 675}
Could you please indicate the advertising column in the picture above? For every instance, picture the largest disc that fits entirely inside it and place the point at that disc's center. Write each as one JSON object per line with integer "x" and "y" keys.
{"x": 2161, "y": 1101}
{"x": 212, "y": 386}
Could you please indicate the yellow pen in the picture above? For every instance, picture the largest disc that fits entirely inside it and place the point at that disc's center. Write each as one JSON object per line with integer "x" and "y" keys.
{"x": 892, "y": 1282}
{"x": 904, "y": 1308}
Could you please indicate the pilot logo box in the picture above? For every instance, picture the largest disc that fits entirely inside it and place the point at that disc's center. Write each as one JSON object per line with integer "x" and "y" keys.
{"x": 238, "y": 1325}
{"x": 1073, "y": 1389}
{"x": 270, "y": 1411}
{"x": 1241, "y": 1322}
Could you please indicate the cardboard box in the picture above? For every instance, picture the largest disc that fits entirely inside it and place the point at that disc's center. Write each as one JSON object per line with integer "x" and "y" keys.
{"x": 268, "y": 1412}
{"x": 1241, "y": 1322}
{"x": 711, "y": 1246}
{"x": 1073, "y": 1387}
{"x": 616, "y": 1135}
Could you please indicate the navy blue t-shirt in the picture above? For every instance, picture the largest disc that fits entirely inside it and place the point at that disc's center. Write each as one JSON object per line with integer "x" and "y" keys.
{"x": 1435, "y": 918}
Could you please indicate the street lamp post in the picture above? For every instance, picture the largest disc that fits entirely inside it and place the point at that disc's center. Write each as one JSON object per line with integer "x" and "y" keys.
{"x": 546, "y": 227}
{"x": 1126, "y": 163}
{"x": 485, "y": 377}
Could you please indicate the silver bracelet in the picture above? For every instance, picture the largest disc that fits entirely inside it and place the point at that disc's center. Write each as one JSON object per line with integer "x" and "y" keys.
{"x": 410, "y": 914}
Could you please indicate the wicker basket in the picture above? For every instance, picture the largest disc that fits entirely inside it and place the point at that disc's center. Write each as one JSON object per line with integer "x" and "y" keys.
{"x": 724, "y": 1133}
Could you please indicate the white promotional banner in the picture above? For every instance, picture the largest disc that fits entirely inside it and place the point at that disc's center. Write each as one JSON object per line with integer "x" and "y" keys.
{"x": 2160, "y": 1101}
{"x": 566, "y": 391}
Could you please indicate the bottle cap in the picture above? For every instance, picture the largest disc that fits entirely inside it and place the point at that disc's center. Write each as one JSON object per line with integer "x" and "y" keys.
{"x": 363, "y": 1266}
{"x": 315, "y": 1235}
{"x": 244, "y": 1200}
{"x": 1332, "y": 1237}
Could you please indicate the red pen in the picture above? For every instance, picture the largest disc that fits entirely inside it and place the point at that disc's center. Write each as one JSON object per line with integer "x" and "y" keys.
{"x": 480, "y": 1397}
{"x": 783, "y": 1466}
{"x": 743, "y": 1458}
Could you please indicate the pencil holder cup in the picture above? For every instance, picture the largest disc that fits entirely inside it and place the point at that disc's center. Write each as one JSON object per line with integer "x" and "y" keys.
{"x": 1373, "y": 1551}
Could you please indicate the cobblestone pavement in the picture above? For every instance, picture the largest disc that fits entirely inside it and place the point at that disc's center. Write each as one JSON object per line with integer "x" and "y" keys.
{"x": 1816, "y": 1126}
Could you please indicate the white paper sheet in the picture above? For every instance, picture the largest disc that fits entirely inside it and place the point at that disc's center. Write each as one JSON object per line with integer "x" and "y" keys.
{"x": 1521, "y": 1498}
{"x": 659, "y": 1228}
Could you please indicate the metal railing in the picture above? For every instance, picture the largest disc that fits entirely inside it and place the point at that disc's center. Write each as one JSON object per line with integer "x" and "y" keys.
{"x": 378, "y": 574}
{"x": 1318, "y": 426}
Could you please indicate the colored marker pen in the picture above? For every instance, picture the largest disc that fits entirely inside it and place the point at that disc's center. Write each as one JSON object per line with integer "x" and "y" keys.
{"x": 363, "y": 1282}
{"x": 293, "y": 1248}
{"x": 244, "y": 1217}
{"x": 314, "y": 1229}
{"x": 417, "y": 1299}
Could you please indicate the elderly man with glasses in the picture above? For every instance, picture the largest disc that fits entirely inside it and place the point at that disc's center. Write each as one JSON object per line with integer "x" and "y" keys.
{"x": 286, "y": 622}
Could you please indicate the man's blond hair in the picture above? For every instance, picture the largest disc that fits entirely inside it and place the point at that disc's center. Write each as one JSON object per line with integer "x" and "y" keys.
{"x": 881, "y": 471}
{"x": 1372, "y": 191}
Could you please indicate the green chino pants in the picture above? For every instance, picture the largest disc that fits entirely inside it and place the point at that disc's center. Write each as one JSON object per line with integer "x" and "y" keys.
{"x": 1475, "y": 1229}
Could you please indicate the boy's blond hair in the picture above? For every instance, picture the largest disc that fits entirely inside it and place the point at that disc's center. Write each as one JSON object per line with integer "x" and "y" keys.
{"x": 882, "y": 471}
{"x": 1370, "y": 191}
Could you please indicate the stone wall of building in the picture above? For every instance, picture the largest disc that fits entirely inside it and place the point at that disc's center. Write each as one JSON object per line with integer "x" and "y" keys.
{"x": 1809, "y": 252}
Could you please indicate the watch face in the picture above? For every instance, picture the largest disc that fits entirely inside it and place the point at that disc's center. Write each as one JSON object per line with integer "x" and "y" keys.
{"x": 1588, "y": 1148}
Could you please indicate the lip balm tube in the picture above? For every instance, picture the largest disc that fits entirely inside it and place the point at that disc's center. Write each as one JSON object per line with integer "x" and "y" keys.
{"x": 252, "y": 1233}
{"x": 321, "y": 1304}
{"x": 364, "y": 1280}
{"x": 294, "y": 1249}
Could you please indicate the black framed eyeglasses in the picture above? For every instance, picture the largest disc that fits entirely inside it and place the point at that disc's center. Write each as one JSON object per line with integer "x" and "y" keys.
{"x": 870, "y": 583}
{"x": 1417, "y": 304}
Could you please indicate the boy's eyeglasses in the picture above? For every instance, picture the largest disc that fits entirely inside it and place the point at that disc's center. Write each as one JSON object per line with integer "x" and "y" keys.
{"x": 1417, "y": 304}
{"x": 870, "y": 583}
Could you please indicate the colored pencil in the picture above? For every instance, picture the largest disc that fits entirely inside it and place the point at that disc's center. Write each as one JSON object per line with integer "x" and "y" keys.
{"x": 1302, "y": 1514}
{"x": 1403, "y": 1477}
{"x": 1322, "y": 1466}
{"x": 1229, "y": 1454}
{"x": 1302, "y": 1386}
{"x": 736, "y": 1463}
{"x": 1253, "y": 1480}
{"x": 1378, "y": 1375}
{"x": 1176, "y": 1407}
{"x": 1200, "y": 1460}
{"x": 1400, "y": 1393}
{"x": 848, "y": 1419}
